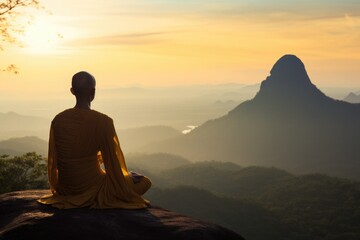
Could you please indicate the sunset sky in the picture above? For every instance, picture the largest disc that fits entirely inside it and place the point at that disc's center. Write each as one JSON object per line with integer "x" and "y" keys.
{"x": 177, "y": 42}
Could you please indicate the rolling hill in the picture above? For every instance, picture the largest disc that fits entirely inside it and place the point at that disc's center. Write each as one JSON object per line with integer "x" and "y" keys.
{"x": 19, "y": 146}
{"x": 352, "y": 98}
{"x": 13, "y": 125}
{"x": 306, "y": 207}
{"x": 155, "y": 163}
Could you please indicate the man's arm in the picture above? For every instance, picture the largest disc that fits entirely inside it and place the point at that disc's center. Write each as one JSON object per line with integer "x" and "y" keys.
{"x": 52, "y": 162}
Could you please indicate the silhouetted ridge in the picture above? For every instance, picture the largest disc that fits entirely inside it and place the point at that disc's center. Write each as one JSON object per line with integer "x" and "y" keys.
{"x": 288, "y": 81}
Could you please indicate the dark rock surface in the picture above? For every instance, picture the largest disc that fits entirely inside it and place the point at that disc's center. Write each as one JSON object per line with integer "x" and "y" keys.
{"x": 21, "y": 217}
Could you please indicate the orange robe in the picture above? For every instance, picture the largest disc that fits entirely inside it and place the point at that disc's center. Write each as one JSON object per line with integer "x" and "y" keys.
{"x": 80, "y": 140}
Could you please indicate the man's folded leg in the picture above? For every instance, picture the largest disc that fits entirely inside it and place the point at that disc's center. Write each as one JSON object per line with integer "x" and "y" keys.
{"x": 142, "y": 185}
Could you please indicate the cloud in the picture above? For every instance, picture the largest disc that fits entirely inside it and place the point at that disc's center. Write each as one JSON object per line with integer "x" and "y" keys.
{"x": 287, "y": 11}
{"x": 353, "y": 21}
{"x": 264, "y": 9}
{"x": 139, "y": 38}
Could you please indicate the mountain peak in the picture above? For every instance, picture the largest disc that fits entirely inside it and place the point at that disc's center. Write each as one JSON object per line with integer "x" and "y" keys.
{"x": 289, "y": 66}
{"x": 352, "y": 98}
{"x": 288, "y": 79}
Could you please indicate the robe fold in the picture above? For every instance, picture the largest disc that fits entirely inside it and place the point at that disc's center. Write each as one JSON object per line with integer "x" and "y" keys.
{"x": 80, "y": 141}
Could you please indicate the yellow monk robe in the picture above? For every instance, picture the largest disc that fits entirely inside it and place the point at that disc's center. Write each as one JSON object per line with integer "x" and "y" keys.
{"x": 80, "y": 140}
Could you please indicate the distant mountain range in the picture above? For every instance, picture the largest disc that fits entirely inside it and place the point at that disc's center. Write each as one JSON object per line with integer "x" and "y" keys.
{"x": 175, "y": 106}
{"x": 289, "y": 124}
{"x": 19, "y": 146}
{"x": 131, "y": 107}
{"x": 133, "y": 138}
{"x": 352, "y": 98}
{"x": 130, "y": 140}
{"x": 16, "y": 125}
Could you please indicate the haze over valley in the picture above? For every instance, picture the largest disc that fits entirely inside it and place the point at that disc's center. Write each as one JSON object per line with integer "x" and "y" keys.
{"x": 139, "y": 106}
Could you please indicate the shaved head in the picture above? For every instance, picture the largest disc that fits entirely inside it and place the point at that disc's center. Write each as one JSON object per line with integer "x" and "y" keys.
{"x": 83, "y": 80}
{"x": 83, "y": 86}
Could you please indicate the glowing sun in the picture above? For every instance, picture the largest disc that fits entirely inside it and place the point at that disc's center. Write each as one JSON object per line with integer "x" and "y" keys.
{"x": 42, "y": 37}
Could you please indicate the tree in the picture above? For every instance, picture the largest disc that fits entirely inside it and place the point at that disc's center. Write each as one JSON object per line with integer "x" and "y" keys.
{"x": 28, "y": 171}
{"x": 10, "y": 10}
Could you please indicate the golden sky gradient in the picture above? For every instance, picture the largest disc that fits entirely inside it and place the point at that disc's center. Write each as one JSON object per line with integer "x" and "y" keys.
{"x": 167, "y": 42}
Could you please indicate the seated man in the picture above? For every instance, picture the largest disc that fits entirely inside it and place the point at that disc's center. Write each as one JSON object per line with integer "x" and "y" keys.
{"x": 81, "y": 140}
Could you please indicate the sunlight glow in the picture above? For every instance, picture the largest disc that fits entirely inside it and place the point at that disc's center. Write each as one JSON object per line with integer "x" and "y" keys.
{"x": 42, "y": 37}
{"x": 173, "y": 42}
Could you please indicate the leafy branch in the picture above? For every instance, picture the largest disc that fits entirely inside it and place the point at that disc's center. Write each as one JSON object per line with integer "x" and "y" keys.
{"x": 10, "y": 10}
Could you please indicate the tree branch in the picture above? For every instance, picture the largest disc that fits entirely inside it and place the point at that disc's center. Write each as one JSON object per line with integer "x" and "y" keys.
{"x": 9, "y": 12}
{"x": 6, "y": 7}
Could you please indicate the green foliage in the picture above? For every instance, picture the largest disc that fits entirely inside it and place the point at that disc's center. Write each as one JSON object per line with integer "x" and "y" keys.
{"x": 248, "y": 218}
{"x": 323, "y": 207}
{"x": 278, "y": 205}
{"x": 226, "y": 179}
{"x": 22, "y": 172}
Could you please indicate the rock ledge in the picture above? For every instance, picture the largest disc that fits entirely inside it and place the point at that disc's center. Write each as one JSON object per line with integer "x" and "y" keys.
{"x": 21, "y": 217}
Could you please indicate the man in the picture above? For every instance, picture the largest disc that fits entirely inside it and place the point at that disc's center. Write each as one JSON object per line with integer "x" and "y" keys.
{"x": 81, "y": 140}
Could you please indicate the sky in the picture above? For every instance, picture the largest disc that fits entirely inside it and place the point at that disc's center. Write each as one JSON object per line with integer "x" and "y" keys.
{"x": 181, "y": 42}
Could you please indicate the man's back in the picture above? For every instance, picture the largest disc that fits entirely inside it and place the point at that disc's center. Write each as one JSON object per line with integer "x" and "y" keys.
{"x": 78, "y": 132}
{"x": 76, "y": 141}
